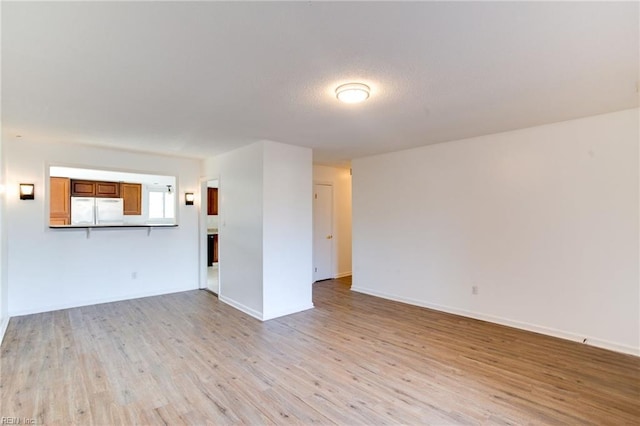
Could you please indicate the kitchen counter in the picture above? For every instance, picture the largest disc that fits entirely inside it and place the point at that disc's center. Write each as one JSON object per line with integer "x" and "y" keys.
{"x": 88, "y": 228}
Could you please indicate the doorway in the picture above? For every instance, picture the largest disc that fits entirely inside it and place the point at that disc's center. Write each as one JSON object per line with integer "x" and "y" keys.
{"x": 213, "y": 272}
{"x": 322, "y": 232}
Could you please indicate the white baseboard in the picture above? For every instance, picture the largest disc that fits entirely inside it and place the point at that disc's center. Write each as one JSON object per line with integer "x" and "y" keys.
{"x": 259, "y": 315}
{"x": 3, "y": 327}
{"x": 247, "y": 310}
{"x": 78, "y": 304}
{"x": 617, "y": 347}
{"x": 287, "y": 312}
{"x": 343, "y": 274}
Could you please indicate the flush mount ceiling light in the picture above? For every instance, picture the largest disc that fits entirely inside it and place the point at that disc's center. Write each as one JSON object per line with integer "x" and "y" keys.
{"x": 352, "y": 93}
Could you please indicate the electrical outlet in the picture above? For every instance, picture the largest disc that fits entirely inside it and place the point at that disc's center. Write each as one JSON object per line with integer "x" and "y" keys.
{"x": 474, "y": 289}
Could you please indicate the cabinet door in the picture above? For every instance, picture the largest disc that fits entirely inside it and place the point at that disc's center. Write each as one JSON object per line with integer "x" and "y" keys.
{"x": 212, "y": 201}
{"x": 132, "y": 195}
{"x": 56, "y": 222}
{"x": 59, "y": 201}
{"x": 108, "y": 189}
{"x": 83, "y": 188}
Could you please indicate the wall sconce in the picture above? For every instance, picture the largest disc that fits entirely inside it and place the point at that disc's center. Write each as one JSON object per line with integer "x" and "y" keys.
{"x": 189, "y": 198}
{"x": 26, "y": 191}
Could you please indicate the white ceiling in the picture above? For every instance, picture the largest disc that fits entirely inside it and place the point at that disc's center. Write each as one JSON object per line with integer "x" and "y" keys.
{"x": 198, "y": 79}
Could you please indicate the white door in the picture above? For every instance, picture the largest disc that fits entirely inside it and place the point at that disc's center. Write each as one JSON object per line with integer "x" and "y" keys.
{"x": 322, "y": 232}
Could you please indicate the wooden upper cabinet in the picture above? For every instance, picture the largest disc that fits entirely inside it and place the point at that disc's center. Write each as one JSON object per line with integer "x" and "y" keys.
{"x": 108, "y": 189}
{"x": 212, "y": 201}
{"x": 59, "y": 201}
{"x": 83, "y": 188}
{"x": 132, "y": 195}
{"x": 92, "y": 188}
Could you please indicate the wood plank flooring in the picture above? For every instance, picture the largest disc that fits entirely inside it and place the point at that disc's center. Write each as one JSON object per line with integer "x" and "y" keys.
{"x": 187, "y": 358}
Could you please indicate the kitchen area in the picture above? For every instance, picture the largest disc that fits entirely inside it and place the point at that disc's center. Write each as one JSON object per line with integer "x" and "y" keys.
{"x": 213, "y": 282}
{"x": 91, "y": 199}
{"x": 88, "y": 198}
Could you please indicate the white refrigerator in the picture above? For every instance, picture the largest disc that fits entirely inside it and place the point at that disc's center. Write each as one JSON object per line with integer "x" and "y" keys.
{"x": 97, "y": 211}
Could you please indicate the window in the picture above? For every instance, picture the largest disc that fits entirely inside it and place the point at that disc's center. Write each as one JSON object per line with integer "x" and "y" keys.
{"x": 161, "y": 203}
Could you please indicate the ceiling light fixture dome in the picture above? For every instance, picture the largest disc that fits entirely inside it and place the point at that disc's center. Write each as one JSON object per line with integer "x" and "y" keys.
{"x": 352, "y": 93}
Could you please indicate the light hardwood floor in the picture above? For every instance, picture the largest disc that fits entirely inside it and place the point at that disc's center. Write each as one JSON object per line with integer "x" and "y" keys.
{"x": 354, "y": 359}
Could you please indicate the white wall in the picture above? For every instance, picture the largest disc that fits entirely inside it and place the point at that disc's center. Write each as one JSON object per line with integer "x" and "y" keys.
{"x": 240, "y": 228}
{"x": 51, "y": 269}
{"x": 543, "y": 220}
{"x": 340, "y": 179}
{"x": 264, "y": 228}
{"x": 4, "y": 291}
{"x": 288, "y": 229}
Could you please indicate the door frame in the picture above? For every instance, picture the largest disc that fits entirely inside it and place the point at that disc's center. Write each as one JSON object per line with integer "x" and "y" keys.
{"x": 333, "y": 243}
{"x": 202, "y": 234}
